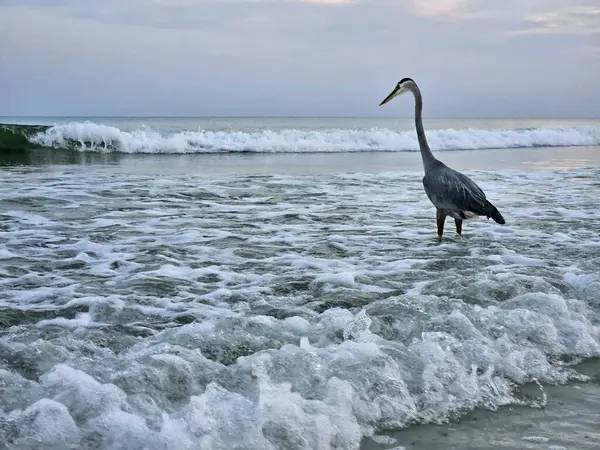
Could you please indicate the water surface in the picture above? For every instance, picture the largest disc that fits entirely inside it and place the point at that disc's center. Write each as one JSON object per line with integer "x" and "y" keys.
{"x": 296, "y": 301}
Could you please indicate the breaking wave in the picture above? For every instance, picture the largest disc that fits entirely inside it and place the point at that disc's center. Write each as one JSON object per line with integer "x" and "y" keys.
{"x": 92, "y": 137}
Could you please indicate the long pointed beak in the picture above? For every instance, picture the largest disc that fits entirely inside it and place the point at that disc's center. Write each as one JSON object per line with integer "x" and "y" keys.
{"x": 394, "y": 93}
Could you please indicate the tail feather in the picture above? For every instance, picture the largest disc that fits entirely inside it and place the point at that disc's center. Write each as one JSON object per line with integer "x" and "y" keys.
{"x": 488, "y": 210}
{"x": 495, "y": 215}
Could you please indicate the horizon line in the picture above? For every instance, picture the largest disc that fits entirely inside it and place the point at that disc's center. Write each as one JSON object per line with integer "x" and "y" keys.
{"x": 289, "y": 117}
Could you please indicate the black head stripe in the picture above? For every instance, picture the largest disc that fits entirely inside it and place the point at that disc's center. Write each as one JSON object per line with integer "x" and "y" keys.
{"x": 404, "y": 80}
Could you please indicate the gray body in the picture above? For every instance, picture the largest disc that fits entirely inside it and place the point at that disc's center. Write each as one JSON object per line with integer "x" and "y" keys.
{"x": 452, "y": 193}
{"x": 455, "y": 194}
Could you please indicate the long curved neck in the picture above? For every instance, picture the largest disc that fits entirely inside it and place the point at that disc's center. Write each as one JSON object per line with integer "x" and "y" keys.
{"x": 428, "y": 159}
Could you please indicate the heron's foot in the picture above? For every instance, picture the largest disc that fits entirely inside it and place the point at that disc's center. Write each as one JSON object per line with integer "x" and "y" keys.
{"x": 439, "y": 238}
{"x": 459, "y": 224}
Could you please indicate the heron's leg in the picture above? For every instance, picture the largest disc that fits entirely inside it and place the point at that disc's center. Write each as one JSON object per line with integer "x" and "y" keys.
{"x": 458, "y": 223}
{"x": 441, "y": 219}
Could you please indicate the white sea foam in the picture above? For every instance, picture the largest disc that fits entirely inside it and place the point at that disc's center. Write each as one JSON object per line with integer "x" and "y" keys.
{"x": 281, "y": 311}
{"x": 88, "y": 136}
{"x": 384, "y": 440}
{"x": 540, "y": 439}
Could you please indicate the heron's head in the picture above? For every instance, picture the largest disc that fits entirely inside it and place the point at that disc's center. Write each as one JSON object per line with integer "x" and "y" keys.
{"x": 404, "y": 85}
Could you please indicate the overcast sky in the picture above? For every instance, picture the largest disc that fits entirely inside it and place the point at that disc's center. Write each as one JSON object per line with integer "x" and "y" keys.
{"x": 471, "y": 58}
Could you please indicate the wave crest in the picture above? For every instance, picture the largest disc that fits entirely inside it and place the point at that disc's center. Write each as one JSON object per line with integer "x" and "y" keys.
{"x": 89, "y": 136}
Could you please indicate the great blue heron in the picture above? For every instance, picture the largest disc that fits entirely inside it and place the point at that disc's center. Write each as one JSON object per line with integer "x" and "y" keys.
{"x": 452, "y": 193}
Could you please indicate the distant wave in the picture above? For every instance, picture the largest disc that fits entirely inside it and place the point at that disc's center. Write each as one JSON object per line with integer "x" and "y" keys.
{"x": 89, "y": 136}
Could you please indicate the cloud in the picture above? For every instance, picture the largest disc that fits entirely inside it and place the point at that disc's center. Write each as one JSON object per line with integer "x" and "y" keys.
{"x": 288, "y": 57}
{"x": 443, "y": 9}
{"x": 151, "y": 13}
{"x": 328, "y": 2}
{"x": 536, "y": 16}
{"x": 529, "y": 17}
{"x": 172, "y": 14}
{"x": 572, "y": 19}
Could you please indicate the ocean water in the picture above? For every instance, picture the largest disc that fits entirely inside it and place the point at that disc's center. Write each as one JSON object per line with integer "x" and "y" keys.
{"x": 277, "y": 284}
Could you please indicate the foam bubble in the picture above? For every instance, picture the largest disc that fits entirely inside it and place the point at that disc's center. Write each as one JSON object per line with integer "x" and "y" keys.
{"x": 44, "y": 424}
{"x": 252, "y": 312}
{"x": 381, "y": 439}
{"x": 80, "y": 320}
{"x": 540, "y": 439}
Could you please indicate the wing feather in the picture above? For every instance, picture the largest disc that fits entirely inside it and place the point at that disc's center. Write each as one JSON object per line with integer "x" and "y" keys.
{"x": 453, "y": 190}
